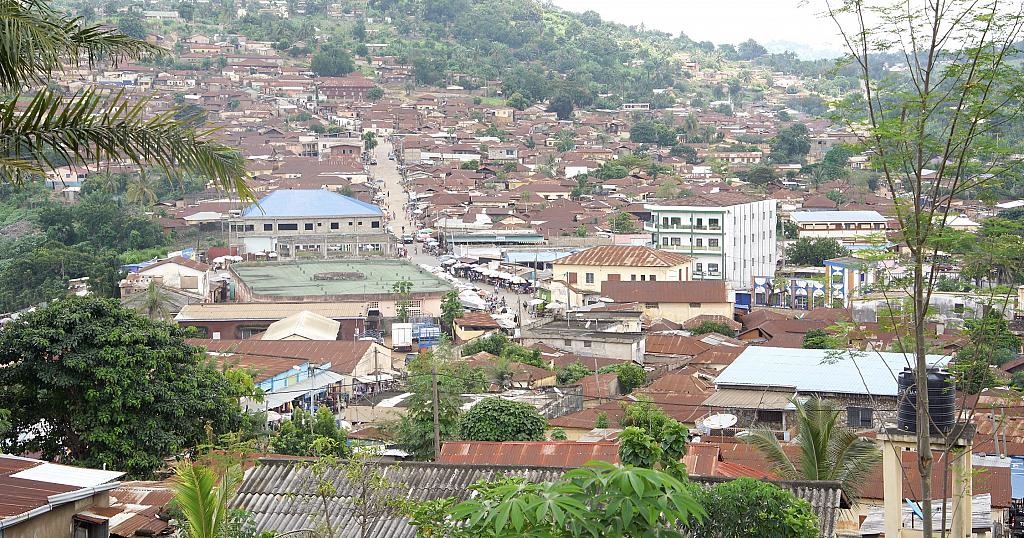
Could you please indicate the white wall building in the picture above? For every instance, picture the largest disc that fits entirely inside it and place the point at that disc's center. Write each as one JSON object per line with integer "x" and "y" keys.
{"x": 730, "y": 236}
{"x": 843, "y": 226}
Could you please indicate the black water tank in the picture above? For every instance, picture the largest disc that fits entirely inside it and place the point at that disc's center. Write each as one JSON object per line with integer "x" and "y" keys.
{"x": 941, "y": 401}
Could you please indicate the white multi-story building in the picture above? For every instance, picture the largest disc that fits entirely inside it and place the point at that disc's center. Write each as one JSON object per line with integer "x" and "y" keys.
{"x": 730, "y": 236}
{"x": 844, "y": 226}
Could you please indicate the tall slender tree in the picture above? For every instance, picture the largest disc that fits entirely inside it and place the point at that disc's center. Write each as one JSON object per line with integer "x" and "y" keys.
{"x": 935, "y": 131}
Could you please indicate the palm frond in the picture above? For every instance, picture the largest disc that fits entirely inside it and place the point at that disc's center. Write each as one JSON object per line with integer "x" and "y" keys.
{"x": 768, "y": 444}
{"x": 202, "y": 500}
{"x": 89, "y": 128}
{"x": 194, "y": 492}
{"x": 36, "y": 41}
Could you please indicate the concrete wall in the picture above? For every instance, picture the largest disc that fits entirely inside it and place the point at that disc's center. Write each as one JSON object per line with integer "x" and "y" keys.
{"x": 601, "y": 274}
{"x": 57, "y": 522}
{"x": 682, "y": 312}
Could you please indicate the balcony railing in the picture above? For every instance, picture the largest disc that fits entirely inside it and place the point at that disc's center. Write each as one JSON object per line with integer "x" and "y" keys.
{"x": 656, "y": 227}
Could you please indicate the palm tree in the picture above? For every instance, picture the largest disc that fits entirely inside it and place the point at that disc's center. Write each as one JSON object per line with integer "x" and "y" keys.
{"x": 202, "y": 500}
{"x": 37, "y": 42}
{"x": 828, "y": 450}
{"x": 141, "y": 191}
{"x": 155, "y": 303}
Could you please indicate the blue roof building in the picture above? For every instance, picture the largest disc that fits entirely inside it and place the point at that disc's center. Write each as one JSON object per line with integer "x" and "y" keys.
{"x": 309, "y": 203}
{"x": 288, "y": 221}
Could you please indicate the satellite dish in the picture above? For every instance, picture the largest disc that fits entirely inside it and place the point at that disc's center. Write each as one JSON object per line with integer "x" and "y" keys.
{"x": 720, "y": 421}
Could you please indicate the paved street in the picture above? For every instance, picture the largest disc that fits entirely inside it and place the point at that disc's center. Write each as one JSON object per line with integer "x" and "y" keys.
{"x": 394, "y": 202}
{"x": 386, "y": 170}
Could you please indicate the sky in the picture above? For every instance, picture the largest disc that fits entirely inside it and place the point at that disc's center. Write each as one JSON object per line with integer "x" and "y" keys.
{"x": 770, "y": 22}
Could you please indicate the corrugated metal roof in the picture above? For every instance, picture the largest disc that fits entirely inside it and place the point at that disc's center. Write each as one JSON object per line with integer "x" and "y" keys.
{"x": 801, "y": 217}
{"x": 309, "y": 203}
{"x": 749, "y": 399}
{"x": 281, "y": 494}
{"x": 819, "y": 370}
{"x": 531, "y": 453}
{"x": 629, "y": 256}
{"x": 266, "y": 311}
{"x": 697, "y": 291}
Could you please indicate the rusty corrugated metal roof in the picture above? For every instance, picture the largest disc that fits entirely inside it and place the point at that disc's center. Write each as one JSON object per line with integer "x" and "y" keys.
{"x": 529, "y": 453}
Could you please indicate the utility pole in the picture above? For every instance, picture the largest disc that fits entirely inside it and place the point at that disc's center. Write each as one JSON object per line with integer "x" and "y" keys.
{"x": 437, "y": 420}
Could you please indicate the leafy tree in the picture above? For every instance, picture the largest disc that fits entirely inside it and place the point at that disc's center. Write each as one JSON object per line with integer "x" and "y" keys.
{"x": 601, "y": 421}
{"x": 791, "y": 145}
{"x": 688, "y": 153}
{"x": 572, "y": 373}
{"x": 562, "y": 107}
{"x": 375, "y": 93}
{"x": 629, "y": 375}
{"x": 644, "y": 132}
{"x": 760, "y": 174}
{"x": 599, "y": 500}
{"x": 299, "y": 436}
{"x": 414, "y": 432}
{"x": 706, "y": 327}
{"x": 750, "y": 50}
{"x": 72, "y": 362}
{"x": 820, "y": 339}
{"x": 186, "y": 10}
{"x": 451, "y": 309}
{"x": 470, "y": 165}
{"x": 623, "y": 223}
{"x": 131, "y": 25}
{"x": 836, "y": 196}
{"x": 404, "y": 290}
{"x": 497, "y": 419}
{"x": 748, "y": 507}
{"x": 828, "y": 449}
{"x": 332, "y": 61}
{"x": 517, "y": 101}
{"x": 558, "y": 434}
{"x": 813, "y": 252}
{"x": 369, "y": 140}
{"x": 203, "y": 498}
{"x": 47, "y": 128}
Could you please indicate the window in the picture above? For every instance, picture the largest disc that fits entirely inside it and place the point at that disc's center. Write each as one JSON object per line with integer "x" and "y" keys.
{"x": 650, "y": 305}
{"x": 288, "y": 227}
{"x": 632, "y": 277}
{"x": 268, "y": 227}
{"x": 664, "y": 241}
{"x": 713, "y": 224}
{"x": 694, "y": 305}
{"x": 643, "y": 278}
{"x": 769, "y": 416}
{"x": 676, "y": 242}
{"x": 587, "y": 343}
{"x": 858, "y": 417}
{"x": 567, "y": 342}
{"x": 319, "y": 224}
{"x": 247, "y": 332}
{"x": 958, "y": 308}
{"x": 375, "y": 224}
{"x": 360, "y": 223}
{"x": 83, "y": 526}
{"x": 713, "y": 243}
{"x": 308, "y": 227}
{"x": 373, "y": 305}
{"x": 653, "y": 278}
{"x": 700, "y": 242}
{"x": 334, "y": 225}
{"x": 590, "y": 278}
{"x": 712, "y": 267}
{"x": 700, "y": 268}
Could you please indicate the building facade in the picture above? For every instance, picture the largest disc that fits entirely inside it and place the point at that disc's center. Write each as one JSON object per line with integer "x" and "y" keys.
{"x": 844, "y": 226}
{"x": 288, "y": 221}
{"x": 730, "y": 236}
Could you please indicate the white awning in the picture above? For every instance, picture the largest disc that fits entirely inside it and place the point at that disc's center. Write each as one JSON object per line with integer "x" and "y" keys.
{"x": 273, "y": 400}
{"x": 373, "y": 378}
